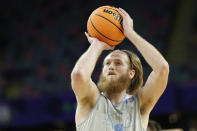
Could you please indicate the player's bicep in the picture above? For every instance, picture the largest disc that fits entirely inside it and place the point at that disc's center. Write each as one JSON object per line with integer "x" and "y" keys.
{"x": 85, "y": 91}
{"x": 152, "y": 90}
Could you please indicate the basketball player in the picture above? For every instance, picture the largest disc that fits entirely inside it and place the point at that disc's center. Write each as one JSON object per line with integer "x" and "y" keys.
{"x": 118, "y": 102}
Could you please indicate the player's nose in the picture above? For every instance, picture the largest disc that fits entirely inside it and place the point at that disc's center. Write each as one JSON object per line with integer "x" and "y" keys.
{"x": 111, "y": 66}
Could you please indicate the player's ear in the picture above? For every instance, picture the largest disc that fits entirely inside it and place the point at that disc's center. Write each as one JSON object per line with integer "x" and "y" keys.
{"x": 131, "y": 73}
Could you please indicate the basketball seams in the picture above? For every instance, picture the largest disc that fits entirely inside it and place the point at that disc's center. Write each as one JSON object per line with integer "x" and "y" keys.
{"x": 103, "y": 34}
{"x": 110, "y": 22}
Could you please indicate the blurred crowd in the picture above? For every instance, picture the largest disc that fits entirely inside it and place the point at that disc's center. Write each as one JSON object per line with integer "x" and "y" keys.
{"x": 41, "y": 41}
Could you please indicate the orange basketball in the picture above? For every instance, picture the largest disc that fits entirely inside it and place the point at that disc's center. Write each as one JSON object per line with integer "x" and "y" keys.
{"x": 105, "y": 24}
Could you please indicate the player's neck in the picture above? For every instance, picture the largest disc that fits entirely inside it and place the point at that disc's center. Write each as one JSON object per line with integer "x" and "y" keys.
{"x": 116, "y": 98}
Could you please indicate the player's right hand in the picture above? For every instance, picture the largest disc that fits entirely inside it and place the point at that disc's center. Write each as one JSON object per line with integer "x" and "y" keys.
{"x": 96, "y": 42}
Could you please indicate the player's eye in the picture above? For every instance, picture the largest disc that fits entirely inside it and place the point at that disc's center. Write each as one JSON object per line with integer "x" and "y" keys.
{"x": 117, "y": 63}
{"x": 107, "y": 63}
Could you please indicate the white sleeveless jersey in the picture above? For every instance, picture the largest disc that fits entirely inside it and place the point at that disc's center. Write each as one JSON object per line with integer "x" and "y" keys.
{"x": 107, "y": 117}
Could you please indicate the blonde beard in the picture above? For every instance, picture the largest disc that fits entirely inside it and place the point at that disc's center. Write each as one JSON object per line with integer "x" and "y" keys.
{"x": 113, "y": 86}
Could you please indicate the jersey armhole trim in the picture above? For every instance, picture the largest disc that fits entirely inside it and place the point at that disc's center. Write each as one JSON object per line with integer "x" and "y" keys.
{"x": 80, "y": 124}
{"x": 138, "y": 104}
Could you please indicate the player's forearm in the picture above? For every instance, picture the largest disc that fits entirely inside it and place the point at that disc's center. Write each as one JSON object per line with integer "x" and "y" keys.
{"x": 86, "y": 63}
{"x": 149, "y": 52}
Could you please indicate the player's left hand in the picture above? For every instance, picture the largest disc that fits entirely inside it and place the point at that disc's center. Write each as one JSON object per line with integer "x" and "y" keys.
{"x": 127, "y": 21}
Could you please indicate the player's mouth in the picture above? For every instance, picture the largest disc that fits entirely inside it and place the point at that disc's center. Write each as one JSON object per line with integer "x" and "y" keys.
{"x": 111, "y": 74}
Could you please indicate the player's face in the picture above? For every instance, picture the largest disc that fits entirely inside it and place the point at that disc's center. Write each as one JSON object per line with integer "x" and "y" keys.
{"x": 115, "y": 75}
{"x": 115, "y": 65}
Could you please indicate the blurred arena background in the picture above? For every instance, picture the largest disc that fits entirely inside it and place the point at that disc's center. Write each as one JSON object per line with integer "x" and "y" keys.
{"x": 42, "y": 39}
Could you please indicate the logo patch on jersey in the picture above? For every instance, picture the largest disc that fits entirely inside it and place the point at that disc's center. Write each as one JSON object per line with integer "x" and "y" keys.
{"x": 119, "y": 122}
{"x": 118, "y": 127}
